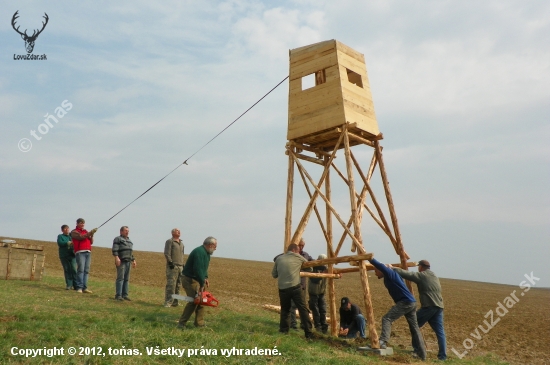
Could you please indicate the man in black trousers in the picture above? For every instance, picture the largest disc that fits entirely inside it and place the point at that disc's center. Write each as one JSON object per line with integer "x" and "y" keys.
{"x": 287, "y": 272}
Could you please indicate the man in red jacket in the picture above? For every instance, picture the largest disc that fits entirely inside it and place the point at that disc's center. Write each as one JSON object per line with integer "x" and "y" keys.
{"x": 82, "y": 241}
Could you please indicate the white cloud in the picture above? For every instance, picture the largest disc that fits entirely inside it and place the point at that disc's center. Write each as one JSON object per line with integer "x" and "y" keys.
{"x": 273, "y": 32}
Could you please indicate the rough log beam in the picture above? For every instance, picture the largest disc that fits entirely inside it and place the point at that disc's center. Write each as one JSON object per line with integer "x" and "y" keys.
{"x": 399, "y": 249}
{"x": 387, "y": 229}
{"x": 337, "y": 260}
{"x": 289, "y": 192}
{"x": 352, "y": 195}
{"x": 330, "y": 282}
{"x": 309, "y": 148}
{"x": 310, "y": 159}
{"x": 382, "y": 223}
{"x": 305, "y": 218}
{"x": 315, "y": 205}
{"x": 276, "y": 308}
{"x": 360, "y": 139}
{"x": 361, "y": 201}
{"x": 370, "y": 267}
{"x": 319, "y": 193}
{"x": 305, "y": 274}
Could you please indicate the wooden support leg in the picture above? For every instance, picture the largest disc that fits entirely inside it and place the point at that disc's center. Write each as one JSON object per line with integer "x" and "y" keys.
{"x": 352, "y": 193}
{"x": 397, "y": 234}
{"x": 336, "y": 215}
{"x": 332, "y": 303}
{"x": 289, "y": 192}
{"x": 305, "y": 218}
{"x": 315, "y": 205}
{"x": 357, "y": 228}
{"x": 373, "y": 335}
{"x": 330, "y": 253}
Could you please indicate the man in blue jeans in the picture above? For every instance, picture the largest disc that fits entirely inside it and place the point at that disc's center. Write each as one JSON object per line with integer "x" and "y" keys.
{"x": 351, "y": 319}
{"x": 405, "y": 305}
{"x": 431, "y": 302}
{"x": 123, "y": 251}
{"x": 82, "y": 242}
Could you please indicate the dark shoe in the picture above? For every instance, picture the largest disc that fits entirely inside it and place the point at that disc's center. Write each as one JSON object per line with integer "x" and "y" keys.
{"x": 294, "y": 328}
{"x": 310, "y": 336}
{"x": 416, "y": 356}
{"x": 283, "y": 332}
{"x": 128, "y": 299}
{"x": 181, "y": 326}
{"x": 175, "y": 305}
{"x": 383, "y": 345}
{"x": 119, "y": 299}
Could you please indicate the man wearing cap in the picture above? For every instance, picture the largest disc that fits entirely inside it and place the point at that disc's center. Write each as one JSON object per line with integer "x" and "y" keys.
{"x": 431, "y": 303}
{"x": 173, "y": 252}
{"x": 317, "y": 304}
{"x": 195, "y": 280}
{"x": 82, "y": 243}
{"x": 405, "y": 305}
{"x": 351, "y": 319}
{"x": 287, "y": 272}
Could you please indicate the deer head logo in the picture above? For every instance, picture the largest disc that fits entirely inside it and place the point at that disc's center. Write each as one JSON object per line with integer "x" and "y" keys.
{"x": 29, "y": 40}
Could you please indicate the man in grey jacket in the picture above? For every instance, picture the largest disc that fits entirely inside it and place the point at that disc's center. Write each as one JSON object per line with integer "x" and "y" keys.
{"x": 124, "y": 257}
{"x": 287, "y": 272}
{"x": 173, "y": 252}
{"x": 431, "y": 302}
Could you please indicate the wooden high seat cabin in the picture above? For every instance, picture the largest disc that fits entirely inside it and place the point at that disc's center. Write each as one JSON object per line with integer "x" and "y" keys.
{"x": 339, "y": 94}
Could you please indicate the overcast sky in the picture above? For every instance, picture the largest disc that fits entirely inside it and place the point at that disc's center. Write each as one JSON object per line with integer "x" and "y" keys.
{"x": 461, "y": 91}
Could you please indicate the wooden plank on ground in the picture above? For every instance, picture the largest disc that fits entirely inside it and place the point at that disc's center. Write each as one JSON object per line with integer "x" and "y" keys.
{"x": 277, "y": 309}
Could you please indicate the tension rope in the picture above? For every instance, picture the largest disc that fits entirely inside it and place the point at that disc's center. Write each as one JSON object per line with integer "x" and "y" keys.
{"x": 197, "y": 151}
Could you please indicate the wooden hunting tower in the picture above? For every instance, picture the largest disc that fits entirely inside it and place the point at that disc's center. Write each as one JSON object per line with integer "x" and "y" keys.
{"x": 330, "y": 108}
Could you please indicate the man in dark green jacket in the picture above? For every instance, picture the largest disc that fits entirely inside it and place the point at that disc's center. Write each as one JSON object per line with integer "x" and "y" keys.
{"x": 67, "y": 257}
{"x": 195, "y": 280}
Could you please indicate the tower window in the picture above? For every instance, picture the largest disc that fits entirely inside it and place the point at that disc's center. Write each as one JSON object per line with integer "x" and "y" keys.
{"x": 354, "y": 78}
{"x": 314, "y": 79}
